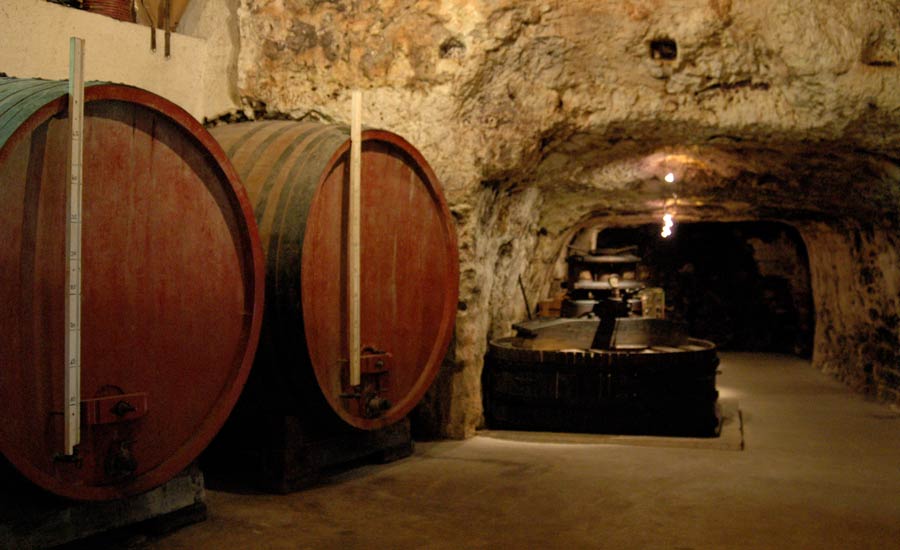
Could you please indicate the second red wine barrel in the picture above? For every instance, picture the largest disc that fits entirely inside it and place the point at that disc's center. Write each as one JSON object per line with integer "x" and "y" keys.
{"x": 297, "y": 177}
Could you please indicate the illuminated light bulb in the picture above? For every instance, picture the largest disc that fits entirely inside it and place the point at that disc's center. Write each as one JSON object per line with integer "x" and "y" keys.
{"x": 670, "y": 178}
{"x": 668, "y": 223}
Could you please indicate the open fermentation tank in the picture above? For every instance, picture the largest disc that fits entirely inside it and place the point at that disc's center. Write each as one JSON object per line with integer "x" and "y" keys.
{"x": 652, "y": 379}
{"x": 611, "y": 364}
{"x": 172, "y": 288}
{"x": 297, "y": 176}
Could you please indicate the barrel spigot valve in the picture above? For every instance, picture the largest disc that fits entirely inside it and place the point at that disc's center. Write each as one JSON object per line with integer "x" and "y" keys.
{"x": 73, "y": 458}
{"x": 120, "y": 461}
{"x": 367, "y": 399}
{"x": 376, "y": 406}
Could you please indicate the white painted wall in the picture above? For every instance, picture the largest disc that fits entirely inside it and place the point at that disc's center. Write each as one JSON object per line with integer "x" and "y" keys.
{"x": 216, "y": 21}
{"x": 34, "y": 43}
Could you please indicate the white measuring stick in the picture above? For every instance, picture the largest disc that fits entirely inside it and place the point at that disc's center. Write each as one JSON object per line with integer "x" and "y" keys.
{"x": 72, "y": 410}
{"x": 353, "y": 234}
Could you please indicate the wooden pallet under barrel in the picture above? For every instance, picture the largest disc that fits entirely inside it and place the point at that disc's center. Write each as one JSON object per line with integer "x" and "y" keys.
{"x": 281, "y": 452}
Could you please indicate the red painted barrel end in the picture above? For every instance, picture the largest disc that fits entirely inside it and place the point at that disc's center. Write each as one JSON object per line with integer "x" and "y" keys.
{"x": 173, "y": 282}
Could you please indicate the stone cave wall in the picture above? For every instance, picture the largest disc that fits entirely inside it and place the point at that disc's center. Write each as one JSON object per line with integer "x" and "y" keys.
{"x": 856, "y": 281}
{"x": 497, "y": 236}
{"x": 540, "y": 117}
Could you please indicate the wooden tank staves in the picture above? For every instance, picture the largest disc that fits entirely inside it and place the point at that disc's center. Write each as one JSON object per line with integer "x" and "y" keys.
{"x": 653, "y": 380}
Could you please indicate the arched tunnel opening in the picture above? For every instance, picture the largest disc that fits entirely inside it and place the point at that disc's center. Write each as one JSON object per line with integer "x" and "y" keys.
{"x": 743, "y": 285}
{"x": 757, "y": 248}
{"x": 740, "y": 285}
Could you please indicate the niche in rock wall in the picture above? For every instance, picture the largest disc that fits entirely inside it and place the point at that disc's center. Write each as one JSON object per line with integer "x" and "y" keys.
{"x": 743, "y": 285}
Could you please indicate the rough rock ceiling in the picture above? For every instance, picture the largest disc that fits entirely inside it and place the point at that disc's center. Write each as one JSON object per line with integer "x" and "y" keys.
{"x": 775, "y": 106}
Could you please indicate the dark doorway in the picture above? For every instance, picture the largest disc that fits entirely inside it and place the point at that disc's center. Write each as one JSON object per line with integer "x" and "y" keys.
{"x": 743, "y": 285}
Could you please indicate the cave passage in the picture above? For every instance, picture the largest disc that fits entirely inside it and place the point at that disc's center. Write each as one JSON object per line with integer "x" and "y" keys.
{"x": 743, "y": 285}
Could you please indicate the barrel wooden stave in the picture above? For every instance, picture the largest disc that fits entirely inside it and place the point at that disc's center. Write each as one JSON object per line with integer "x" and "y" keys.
{"x": 172, "y": 285}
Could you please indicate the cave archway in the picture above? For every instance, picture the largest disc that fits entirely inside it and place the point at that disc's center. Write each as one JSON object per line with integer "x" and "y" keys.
{"x": 743, "y": 285}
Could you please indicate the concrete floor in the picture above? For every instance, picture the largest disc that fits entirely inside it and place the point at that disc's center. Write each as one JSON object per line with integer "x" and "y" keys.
{"x": 820, "y": 469}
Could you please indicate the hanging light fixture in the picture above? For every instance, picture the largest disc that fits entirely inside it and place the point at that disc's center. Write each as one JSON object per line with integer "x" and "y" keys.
{"x": 668, "y": 224}
{"x": 670, "y": 204}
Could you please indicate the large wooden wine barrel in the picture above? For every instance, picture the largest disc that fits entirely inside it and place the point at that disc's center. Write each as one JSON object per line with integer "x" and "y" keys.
{"x": 172, "y": 288}
{"x": 297, "y": 177}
